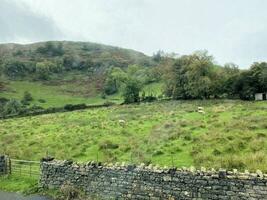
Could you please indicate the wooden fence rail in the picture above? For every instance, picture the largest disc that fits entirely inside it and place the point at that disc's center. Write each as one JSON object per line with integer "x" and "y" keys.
{"x": 24, "y": 167}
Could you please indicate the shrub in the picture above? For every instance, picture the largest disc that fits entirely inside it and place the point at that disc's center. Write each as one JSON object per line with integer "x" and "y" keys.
{"x": 70, "y": 107}
{"x": 12, "y": 107}
{"x": 27, "y": 96}
{"x": 108, "y": 103}
{"x": 149, "y": 99}
{"x": 70, "y": 192}
{"x": 107, "y": 144}
{"x": 41, "y": 100}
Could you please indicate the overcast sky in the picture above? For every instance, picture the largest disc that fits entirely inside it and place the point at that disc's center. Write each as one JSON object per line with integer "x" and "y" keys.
{"x": 231, "y": 30}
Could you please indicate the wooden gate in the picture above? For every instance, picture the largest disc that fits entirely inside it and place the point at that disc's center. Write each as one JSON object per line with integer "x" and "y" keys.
{"x": 24, "y": 168}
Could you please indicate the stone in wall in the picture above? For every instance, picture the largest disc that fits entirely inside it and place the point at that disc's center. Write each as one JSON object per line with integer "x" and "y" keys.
{"x": 149, "y": 182}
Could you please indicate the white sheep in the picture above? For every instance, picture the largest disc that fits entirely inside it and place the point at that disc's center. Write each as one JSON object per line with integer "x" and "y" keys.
{"x": 201, "y": 111}
{"x": 122, "y": 122}
{"x": 200, "y": 108}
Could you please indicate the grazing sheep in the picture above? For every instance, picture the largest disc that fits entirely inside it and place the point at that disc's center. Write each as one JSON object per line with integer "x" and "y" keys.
{"x": 122, "y": 122}
{"x": 200, "y": 108}
{"x": 201, "y": 111}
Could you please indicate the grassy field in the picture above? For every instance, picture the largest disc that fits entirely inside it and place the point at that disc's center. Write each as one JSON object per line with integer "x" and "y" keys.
{"x": 232, "y": 134}
{"x": 58, "y": 95}
{"x": 54, "y": 96}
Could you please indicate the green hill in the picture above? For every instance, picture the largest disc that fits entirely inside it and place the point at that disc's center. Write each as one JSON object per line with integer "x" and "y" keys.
{"x": 58, "y": 73}
{"x": 97, "y": 53}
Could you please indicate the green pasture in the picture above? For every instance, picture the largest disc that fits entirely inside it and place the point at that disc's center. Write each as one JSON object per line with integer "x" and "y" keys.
{"x": 231, "y": 134}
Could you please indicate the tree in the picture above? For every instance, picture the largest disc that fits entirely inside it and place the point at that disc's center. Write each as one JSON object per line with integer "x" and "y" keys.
{"x": 244, "y": 86}
{"x": 42, "y": 70}
{"x": 251, "y": 81}
{"x": 12, "y": 107}
{"x": 27, "y": 97}
{"x": 158, "y": 56}
{"x": 227, "y": 78}
{"x": 15, "y": 69}
{"x": 259, "y": 76}
{"x": 115, "y": 79}
{"x": 45, "y": 68}
{"x": 51, "y": 49}
{"x": 191, "y": 77}
{"x": 131, "y": 91}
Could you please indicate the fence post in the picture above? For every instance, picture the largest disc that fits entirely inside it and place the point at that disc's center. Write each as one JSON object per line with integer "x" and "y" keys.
{"x": 10, "y": 167}
{"x": 172, "y": 159}
{"x": 3, "y": 164}
{"x": 30, "y": 169}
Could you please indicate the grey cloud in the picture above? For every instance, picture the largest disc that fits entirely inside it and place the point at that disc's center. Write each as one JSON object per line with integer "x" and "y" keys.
{"x": 19, "y": 24}
{"x": 233, "y": 31}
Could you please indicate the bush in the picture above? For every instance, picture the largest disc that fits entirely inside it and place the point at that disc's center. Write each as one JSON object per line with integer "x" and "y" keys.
{"x": 70, "y": 107}
{"x": 27, "y": 97}
{"x": 12, "y": 107}
{"x": 149, "y": 99}
{"x": 108, "y": 103}
{"x": 41, "y": 100}
{"x": 3, "y": 100}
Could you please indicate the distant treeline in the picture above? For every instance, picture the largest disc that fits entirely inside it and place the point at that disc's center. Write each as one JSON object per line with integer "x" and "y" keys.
{"x": 44, "y": 61}
{"x": 194, "y": 76}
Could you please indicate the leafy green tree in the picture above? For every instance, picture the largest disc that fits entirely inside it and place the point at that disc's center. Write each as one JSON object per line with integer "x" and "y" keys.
{"x": 51, "y": 49}
{"x": 45, "y": 69}
{"x": 115, "y": 79}
{"x": 251, "y": 81}
{"x": 12, "y": 107}
{"x": 191, "y": 77}
{"x": 259, "y": 76}
{"x": 42, "y": 70}
{"x": 131, "y": 91}
{"x": 158, "y": 56}
{"x": 15, "y": 69}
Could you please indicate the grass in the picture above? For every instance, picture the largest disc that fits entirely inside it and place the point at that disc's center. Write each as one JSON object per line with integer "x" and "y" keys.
{"x": 16, "y": 183}
{"x": 66, "y": 92}
{"x": 54, "y": 95}
{"x": 232, "y": 134}
{"x": 26, "y": 185}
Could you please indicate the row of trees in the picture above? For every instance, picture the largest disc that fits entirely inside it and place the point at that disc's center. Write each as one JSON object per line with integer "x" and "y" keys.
{"x": 43, "y": 70}
{"x": 193, "y": 76}
{"x": 197, "y": 77}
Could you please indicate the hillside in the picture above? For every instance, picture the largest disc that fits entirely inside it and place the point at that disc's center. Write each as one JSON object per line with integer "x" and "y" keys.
{"x": 56, "y": 73}
{"x": 96, "y": 53}
{"x": 232, "y": 134}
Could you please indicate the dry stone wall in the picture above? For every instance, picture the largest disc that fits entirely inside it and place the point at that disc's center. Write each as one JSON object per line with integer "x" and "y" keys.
{"x": 3, "y": 164}
{"x": 148, "y": 182}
